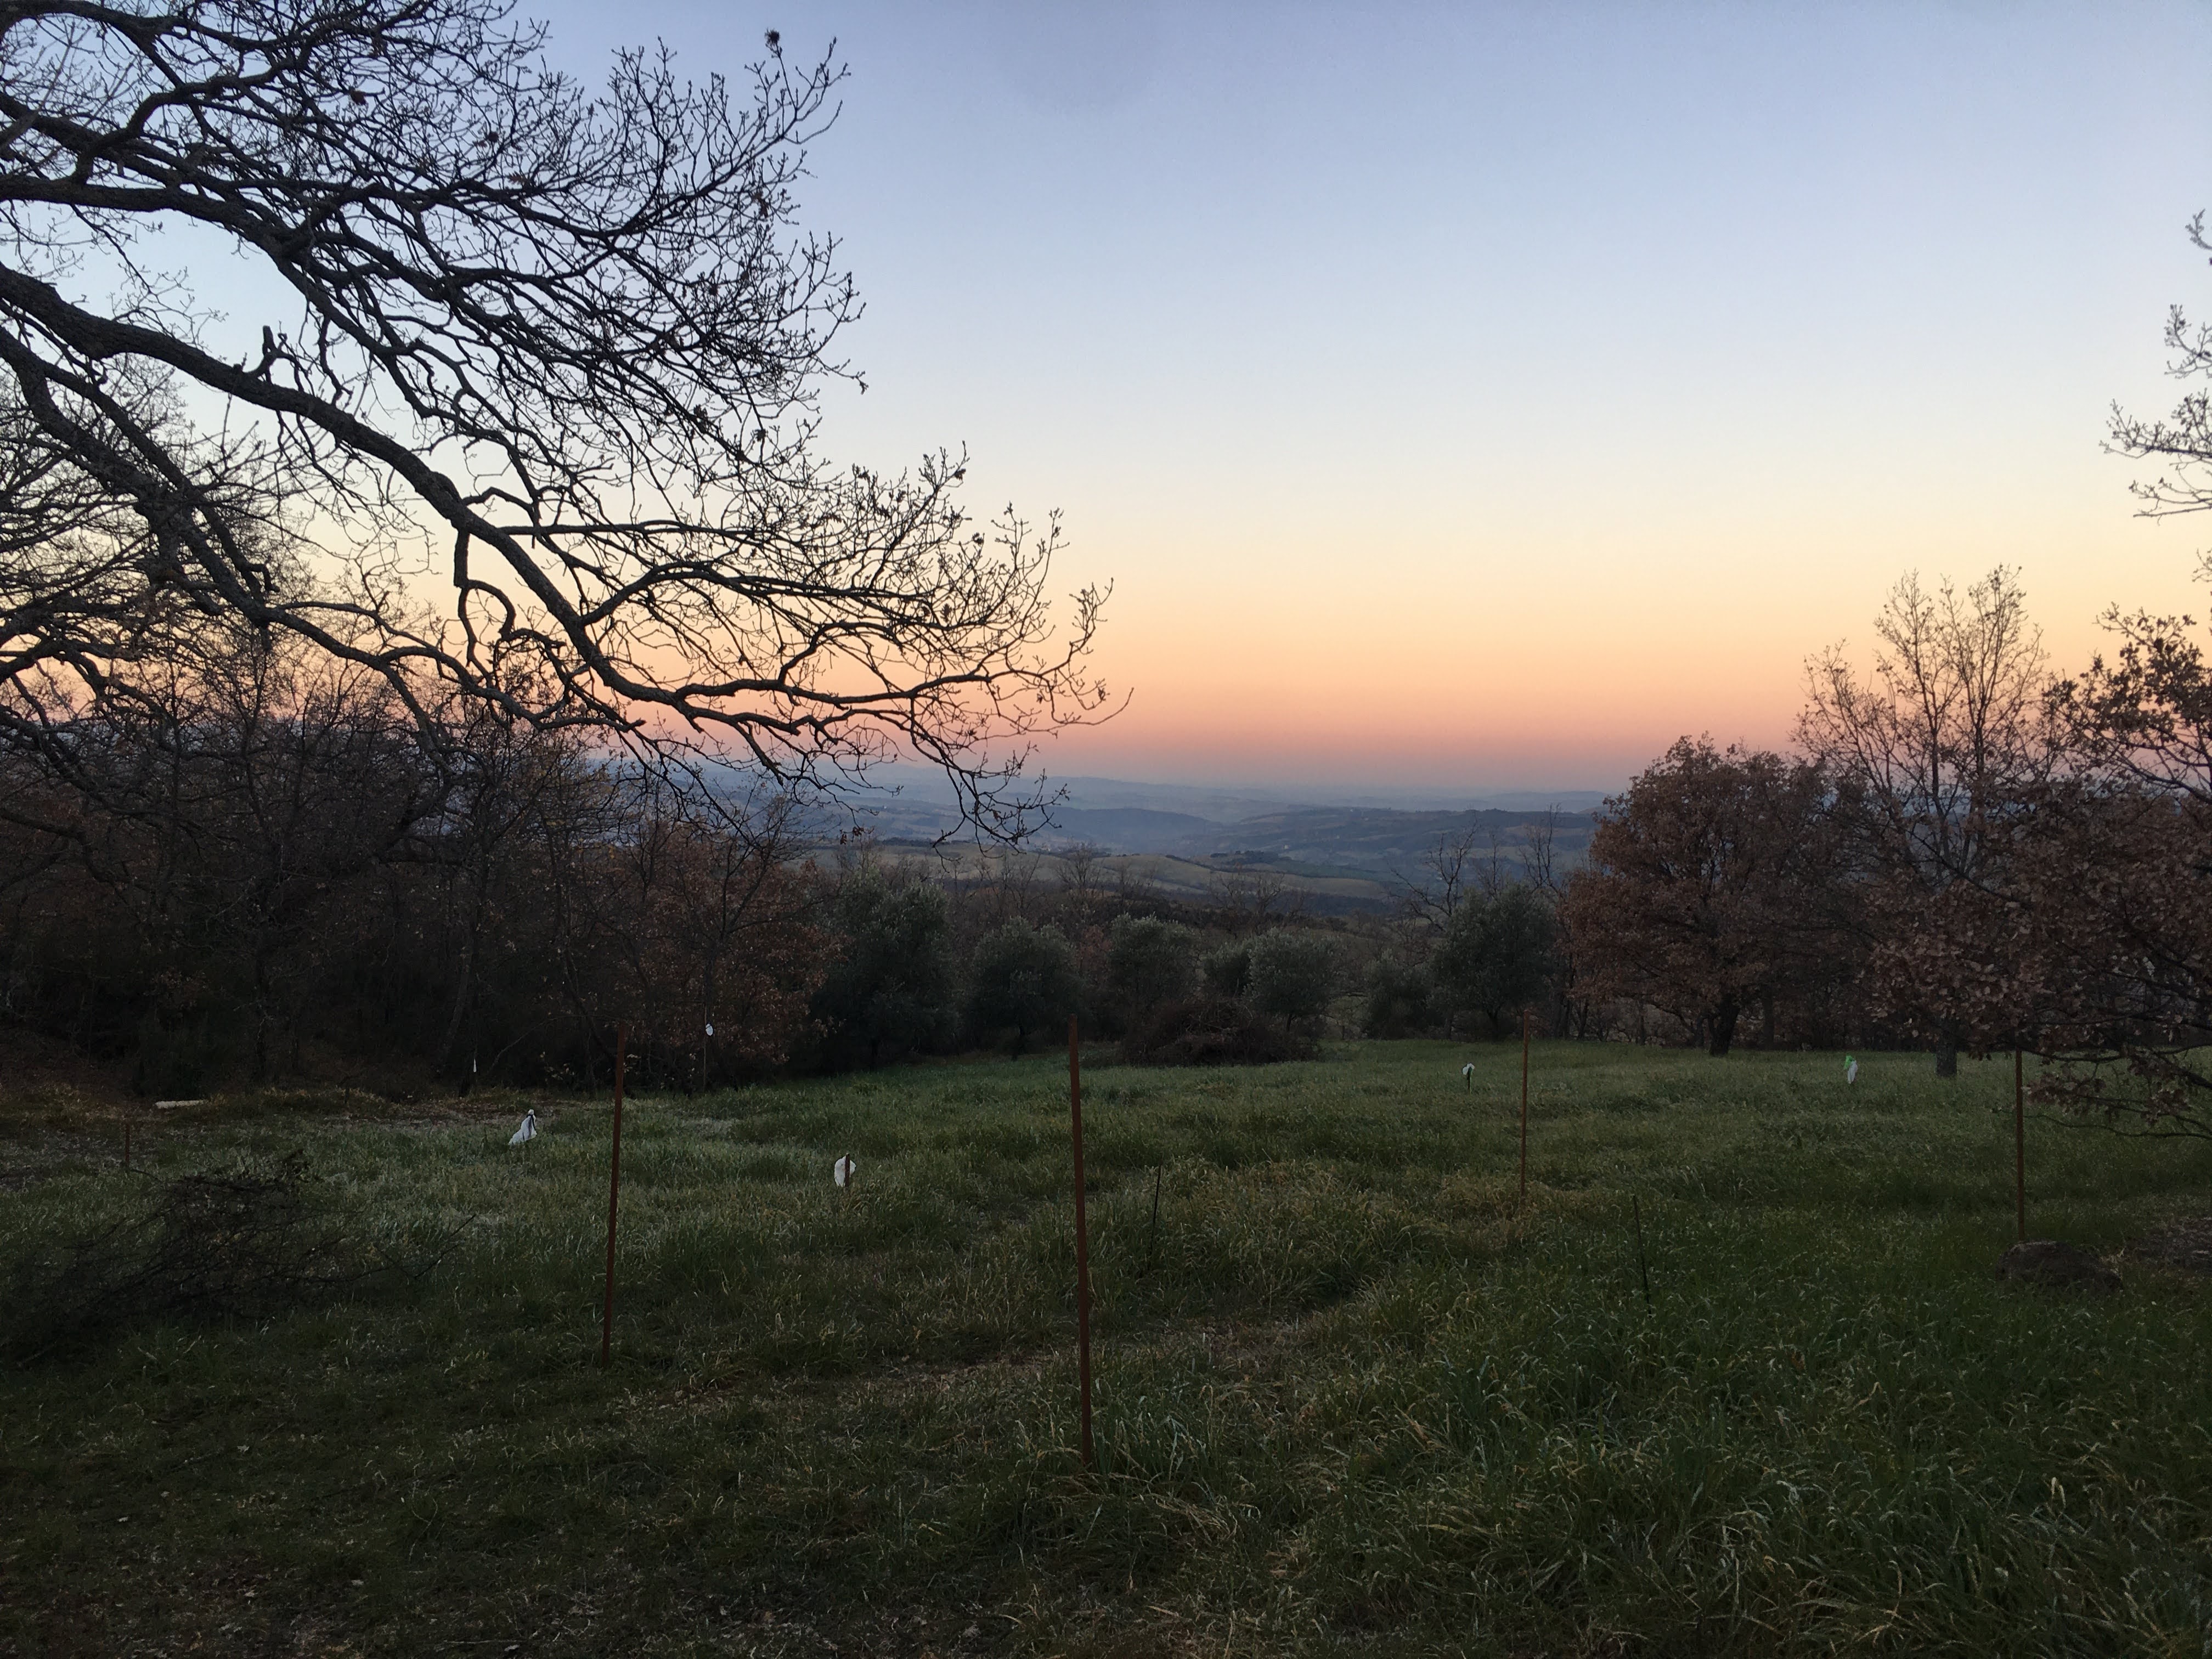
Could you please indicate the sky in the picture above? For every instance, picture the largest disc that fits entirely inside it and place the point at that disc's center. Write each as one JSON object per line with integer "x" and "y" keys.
{"x": 1485, "y": 396}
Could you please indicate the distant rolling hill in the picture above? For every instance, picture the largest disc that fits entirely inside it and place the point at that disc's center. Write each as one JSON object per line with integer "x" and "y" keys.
{"x": 1375, "y": 841}
{"x": 1356, "y": 858}
{"x": 1129, "y": 828}
{"x": 1109, "y": 829}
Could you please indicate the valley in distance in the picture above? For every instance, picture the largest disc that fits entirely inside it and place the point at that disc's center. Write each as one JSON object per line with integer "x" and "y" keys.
{"x": 1335, "y": 850}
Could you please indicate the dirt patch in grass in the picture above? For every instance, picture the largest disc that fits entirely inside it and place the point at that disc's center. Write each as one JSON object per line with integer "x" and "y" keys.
{"x": 2185, "y": 1242}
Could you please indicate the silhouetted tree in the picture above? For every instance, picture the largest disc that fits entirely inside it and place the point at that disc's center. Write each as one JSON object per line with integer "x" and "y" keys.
{"x": 1707, "y": 884}
{"x": 2114, "y": 870}
{"x": 705, "y": 921}
{"x": 1934, "y": 759}
{"x": 1399, "y": 995}
{"x": 573, "y": 342}
{"x": 891, "y": 982}
{"x": 2110, "y": 968}
{"x": 1450, "y": 870}
{"x": 1227, "y": 969}
{"x": 1150, "y": 961}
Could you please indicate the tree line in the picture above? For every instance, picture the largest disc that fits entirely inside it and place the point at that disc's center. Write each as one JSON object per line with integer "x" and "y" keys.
{"x": 1965, "y": 850}
{"x": 277, "y": 871}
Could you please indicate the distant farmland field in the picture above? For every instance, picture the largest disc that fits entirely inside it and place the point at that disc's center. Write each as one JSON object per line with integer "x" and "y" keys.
{"x": 1334, "y": 860}
{"x": 1350, "y": 1396}
{"x": 1225, "y": 879}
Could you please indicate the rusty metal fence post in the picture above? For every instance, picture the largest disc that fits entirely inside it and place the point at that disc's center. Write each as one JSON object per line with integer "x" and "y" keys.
{"x": 1082, "y": 1245}
{"x": 614, "y": 1193}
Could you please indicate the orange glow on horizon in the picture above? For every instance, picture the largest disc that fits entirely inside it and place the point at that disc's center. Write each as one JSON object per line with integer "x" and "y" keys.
{"x": 1579, "y": 686}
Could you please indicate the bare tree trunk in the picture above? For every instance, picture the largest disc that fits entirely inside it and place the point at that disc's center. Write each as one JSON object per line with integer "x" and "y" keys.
{"x": 1721, "y": 1024}
{"x": 464, "y": 986}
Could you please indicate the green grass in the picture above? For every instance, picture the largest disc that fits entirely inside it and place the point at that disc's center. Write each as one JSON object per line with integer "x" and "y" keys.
{"x": 1348, "y": 1399}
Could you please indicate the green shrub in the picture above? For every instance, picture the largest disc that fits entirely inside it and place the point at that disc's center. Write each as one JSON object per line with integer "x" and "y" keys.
{"x": 1211, "y": 1030}
{"x": 1227, "y": 971}
{"x": 1399, "y": 996}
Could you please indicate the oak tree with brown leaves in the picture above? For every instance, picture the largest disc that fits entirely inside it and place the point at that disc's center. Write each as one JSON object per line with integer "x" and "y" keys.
{"x": 1707, "y": 885}
{"x": 2116, "y": 872}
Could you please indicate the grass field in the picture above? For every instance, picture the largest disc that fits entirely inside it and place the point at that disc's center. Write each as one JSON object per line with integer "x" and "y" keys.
{"x": 1348, "y": 1399}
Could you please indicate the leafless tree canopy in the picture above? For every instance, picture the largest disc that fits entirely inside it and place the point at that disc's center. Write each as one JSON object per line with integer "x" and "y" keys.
{"x": 575, "y": 338}
{"x": 2181, "y": 443}
{"x": 1936, "y": 757}
{"x": 1940, "y": 742}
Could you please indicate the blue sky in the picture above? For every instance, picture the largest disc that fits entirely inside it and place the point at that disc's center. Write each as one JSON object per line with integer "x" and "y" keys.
{"x": 1489, "y": 394}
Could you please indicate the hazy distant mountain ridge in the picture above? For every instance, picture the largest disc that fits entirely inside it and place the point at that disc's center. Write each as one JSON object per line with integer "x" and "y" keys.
{"x": 1219, "y": 827}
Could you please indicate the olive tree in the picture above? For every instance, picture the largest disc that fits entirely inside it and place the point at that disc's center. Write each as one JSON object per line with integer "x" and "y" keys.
{"x": 1227, "y": 971}
{"x": 1023, "y": 978}
{"x": 1149, "y": 961}
{"x": 1499, "y": 953}
{"x": 891, "y": 982}
{"x": 1293, "y": 974}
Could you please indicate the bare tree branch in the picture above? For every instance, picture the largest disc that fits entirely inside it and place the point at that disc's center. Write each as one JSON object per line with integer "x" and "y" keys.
{"x": 571, "y": 342}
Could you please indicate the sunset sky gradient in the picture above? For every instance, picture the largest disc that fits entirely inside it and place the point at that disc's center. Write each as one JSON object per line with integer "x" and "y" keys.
{"x": 1483, "y": 396}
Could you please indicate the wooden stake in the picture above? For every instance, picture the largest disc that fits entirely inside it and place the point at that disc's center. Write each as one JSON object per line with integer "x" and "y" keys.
{"x": 1152, "y": 1244}
{"x": 1524, "y": 1106}
{"x": 2019, "y": 1144}
{"x": 1643, "y": 1271}
{"x": 1082, "y": 1245}
{"x": 126, "y": 1143}
{"x": 614, "y": 1192}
